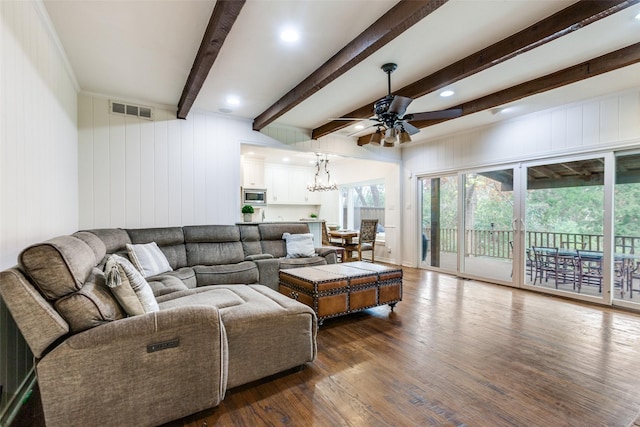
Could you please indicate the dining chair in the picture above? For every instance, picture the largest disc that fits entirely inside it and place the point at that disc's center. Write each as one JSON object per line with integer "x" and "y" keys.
{"x": 366, "y": 238}
{"x": 326, "y": 242}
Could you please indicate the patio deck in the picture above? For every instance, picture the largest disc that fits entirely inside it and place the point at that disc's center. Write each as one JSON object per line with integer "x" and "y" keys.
{"x": 500, "y": 269}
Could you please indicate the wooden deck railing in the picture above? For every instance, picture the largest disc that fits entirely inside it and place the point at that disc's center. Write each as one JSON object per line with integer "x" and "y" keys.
{"x": 496, "y": 243}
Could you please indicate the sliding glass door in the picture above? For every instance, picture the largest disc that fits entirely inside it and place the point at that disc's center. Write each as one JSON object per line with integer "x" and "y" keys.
{"x": 488, "y": 205}
{"x": 626, "y": 224}
{"x": 564, "y": 237}
{"x": 567, "y": 226}
{"x": 439, "y": 222}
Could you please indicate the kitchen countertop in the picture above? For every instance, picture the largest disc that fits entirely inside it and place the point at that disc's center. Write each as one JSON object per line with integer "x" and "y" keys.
{"x": 280, "y": 221}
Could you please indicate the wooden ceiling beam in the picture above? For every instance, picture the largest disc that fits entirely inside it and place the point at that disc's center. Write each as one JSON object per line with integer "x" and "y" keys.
{"x": 224, "y": 15}
{"x": 398, "y": 19}
{"x": 603, "y": 64}
{"x": 564, "y": 22}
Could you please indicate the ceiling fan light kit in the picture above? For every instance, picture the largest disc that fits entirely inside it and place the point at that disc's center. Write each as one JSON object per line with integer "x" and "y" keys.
{"x": 376, "y": 137}
{"x": 391, "y": 119}
{"x": 404, "y": 137}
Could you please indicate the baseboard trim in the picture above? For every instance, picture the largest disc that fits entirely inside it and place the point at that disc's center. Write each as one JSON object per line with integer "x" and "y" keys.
{"x": 13, "y": 406}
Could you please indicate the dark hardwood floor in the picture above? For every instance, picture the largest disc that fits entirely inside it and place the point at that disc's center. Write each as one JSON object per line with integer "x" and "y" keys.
{"x": 454, "y": 353}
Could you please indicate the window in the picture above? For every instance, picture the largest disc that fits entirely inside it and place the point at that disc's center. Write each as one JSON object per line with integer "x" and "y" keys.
{"x": 362, "y": 201}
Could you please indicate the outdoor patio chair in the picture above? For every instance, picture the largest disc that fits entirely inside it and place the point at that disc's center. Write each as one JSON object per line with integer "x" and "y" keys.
{"x": 590, "y": 269}
{"x": 529, "y": 263}
{"x": 549, "y": 264}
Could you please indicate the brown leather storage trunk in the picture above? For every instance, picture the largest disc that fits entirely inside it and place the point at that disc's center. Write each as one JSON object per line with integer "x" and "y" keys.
{"x": 336, "y": 289}
{"x": 325, "y": 292}
{"x": 389, "y": 281}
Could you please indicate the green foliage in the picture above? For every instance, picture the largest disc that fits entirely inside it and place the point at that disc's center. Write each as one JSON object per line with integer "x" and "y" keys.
{"x": 572, "y": 210}
{"x": 247, "y": 209}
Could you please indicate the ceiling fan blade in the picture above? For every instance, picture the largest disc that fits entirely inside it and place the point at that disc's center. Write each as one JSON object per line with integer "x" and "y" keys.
{"x": 399, "y": 105}
{"x": 450, "y": 113}
{"x": 410, "y": 129}
{"x": 350, "y": 119}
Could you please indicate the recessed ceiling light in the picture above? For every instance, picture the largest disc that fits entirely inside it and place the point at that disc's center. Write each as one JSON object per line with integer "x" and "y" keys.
{"x": 638, "y": 17}
{"x": 289, "y": 35}
{"x": 233, "y": 100}
{"x": 446, "y": 93}
{"x": 359, "y": 127}
{"x": 285, "y": 159}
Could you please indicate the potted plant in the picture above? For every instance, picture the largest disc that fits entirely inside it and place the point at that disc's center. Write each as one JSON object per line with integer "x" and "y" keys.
{"x": 313, "y": 215}
{"x": 247, "y": 212}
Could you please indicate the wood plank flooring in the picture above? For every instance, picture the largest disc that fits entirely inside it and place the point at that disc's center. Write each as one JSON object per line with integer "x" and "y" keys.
{"x": 455, "y": 353}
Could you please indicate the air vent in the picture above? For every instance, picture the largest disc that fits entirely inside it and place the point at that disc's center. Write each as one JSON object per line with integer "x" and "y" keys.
{"x": 131, "y": 110}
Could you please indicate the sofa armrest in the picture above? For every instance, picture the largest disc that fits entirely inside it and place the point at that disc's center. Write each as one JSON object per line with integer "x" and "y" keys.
{"x": 143, "y": 370}
{"x": 328, "y": 253}
{"x": 269, "y": 272}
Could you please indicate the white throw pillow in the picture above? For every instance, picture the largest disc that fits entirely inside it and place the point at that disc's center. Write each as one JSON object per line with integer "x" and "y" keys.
{"x": 148, "y": 259}
{"x": 139, "y": 284}
{"x": 299, "y": 245}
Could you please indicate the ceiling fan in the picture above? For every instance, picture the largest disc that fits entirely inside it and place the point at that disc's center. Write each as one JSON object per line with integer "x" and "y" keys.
{"x": 391, "y": 120}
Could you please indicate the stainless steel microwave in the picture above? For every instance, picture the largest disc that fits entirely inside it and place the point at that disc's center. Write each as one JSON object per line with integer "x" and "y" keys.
{"x": 254, "y": 196}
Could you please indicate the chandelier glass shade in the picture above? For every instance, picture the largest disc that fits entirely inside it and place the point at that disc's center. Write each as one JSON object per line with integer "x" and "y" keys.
{"x": 318, "y": 184}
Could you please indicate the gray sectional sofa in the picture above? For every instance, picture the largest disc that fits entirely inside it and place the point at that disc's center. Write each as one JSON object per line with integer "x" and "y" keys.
{"x": 217, "y": 325}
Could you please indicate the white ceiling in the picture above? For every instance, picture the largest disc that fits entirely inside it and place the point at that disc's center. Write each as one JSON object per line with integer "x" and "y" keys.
{"x": 143, "y": 50}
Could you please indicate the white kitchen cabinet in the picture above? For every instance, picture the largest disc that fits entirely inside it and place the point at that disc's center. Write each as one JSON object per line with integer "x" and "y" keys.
{"x": 253, "y": 173}
{"x": 288, "y": 185}
{"x": 277, "y": 180}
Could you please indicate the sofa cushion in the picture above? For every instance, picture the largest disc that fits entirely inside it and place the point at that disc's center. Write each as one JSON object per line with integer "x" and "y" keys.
{"x": 94, "y": 242}
{"x": 283, "y": 330}
{"x": 91, "y": 306}
{"x": 211, "y": 233}
{"x": 213, "y": 244}
{"x": 139, "y": 284}
{"x": 243, "y": 272}
{"x": 170, "y": 240}
{"x": 250, "y": 238}
{"x": 213, "y": 296}
{"x": 59, "y": 266}
{"x": 166, "y": 284}
{"x": 214, "y": 253}
{"x": 148, "y": 259}
{"x": 114, "y": 239}
{"x": 185, "y": 274}
{"x": 271, "y": 236}
{"x": 299, "y": 245}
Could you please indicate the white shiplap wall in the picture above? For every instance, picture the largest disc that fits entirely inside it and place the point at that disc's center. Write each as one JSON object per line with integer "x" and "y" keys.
{"x": 164, "y": 172}
{"x": 607, "y": 123}
{"x": 38, "y": 156}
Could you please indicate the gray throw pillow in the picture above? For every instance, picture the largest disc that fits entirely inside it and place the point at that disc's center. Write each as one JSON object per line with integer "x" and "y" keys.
{"x": 142, "y": 290}
{"x": 120, "y": 287}
{"x": 148, "y": 259}
{"x": 299, "y": 245}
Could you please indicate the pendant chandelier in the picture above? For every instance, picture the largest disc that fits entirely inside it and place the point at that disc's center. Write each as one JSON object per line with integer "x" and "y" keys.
{"x": 318, "y": 185}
